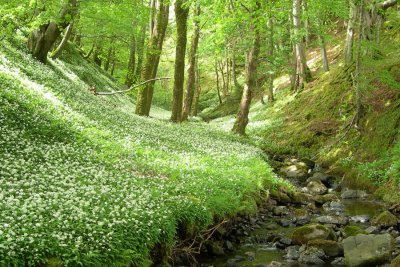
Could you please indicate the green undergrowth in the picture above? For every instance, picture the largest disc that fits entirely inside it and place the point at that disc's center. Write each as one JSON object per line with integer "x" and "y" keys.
{"x": 318, "y": 122}
{"x": 86, "y": 182}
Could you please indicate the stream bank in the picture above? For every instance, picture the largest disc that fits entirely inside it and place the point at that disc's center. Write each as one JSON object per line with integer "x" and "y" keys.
{"x": 320, "y": 223}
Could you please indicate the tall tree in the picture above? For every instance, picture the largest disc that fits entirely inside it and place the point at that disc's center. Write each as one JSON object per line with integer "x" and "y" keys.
{"x": 130, "y": 76}
{"x": 242, "y": 117}
{"x": 190, "y": 85}
{"x": 41, "y": 40}
{"x": 181, "y": 15}
{"x": 152, "y": 57}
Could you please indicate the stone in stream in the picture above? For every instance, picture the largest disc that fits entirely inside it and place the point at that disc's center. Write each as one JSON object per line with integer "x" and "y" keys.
{"x": 360, "y": 218}
{"x": 353, "y": 194}
{"x": 313, "y": 256}
{"x": 297, "y": 171}
{"x": 338, "y": 262}
{"x": 322, "y": 199}
{"x": 280, "y": 210}
{"x": 292, "y": 253}
{"x": 367, "y": 250}
{"x": 301, "y": 198}
{"x": 334, "y": 206}
{"x": 316, "y": 188}
{"x": 333, "y": 219}
{"x": 301, "y": 216}
{"x": 303, "y": 234}
{"x": 331, "y": 248}
{"x": 327, "y": 180}
{"x": 386, "y": 219}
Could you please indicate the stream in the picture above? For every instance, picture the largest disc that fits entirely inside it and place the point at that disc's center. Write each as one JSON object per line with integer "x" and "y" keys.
{"x": 271, "y": 238}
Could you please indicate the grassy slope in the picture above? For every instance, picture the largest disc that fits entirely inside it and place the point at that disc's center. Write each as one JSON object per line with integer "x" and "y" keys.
{"x": 314, "y": 123}
{"x": 86, "y": 181}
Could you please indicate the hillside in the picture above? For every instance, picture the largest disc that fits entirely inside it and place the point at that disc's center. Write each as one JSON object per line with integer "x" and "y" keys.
{"x": 87, "y": 182}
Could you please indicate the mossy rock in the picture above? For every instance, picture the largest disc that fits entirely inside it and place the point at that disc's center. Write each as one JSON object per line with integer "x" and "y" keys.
{"x": 300, "y": 198}
{"x": 395, "y": 262}
{"x": 385, "y": 219}
{"x": 330, "y": 247}
{"x": 304, "y": 234}
{"x": 352, "y": 230}
{"x": 322, "y": 199}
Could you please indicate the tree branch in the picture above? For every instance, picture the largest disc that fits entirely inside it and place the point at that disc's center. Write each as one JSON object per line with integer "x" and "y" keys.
{"x": 133, "y": 87}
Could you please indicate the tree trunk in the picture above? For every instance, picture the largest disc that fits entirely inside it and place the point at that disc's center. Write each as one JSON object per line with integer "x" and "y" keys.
{"x": 190, "y": 85}
{"x": 140, "y": 53}
{"x": 181, "y": 14}
{"x": 228, "y": 74}
{"x": 324, "y": 55}
{"x": 218, "y": 90}
{"x": 131, "y": 63}
{"x": 307, "y": 25}
{"x": 196, "y": 99}
{"x": 41, "y": 40}
{"x": 250, "y": 84}
{"x": 56, "y": 53}
{"x": 97, "y": 54}
{"x": 221, "y": 68}
{"x": 234, "y": 75}
{"x": 348, "y": 50}
{"x": 152, "y": 58}
{"x": 301, "y": 63}
{"x": 357, "y": 73}
{"x": 271, "y": 54}
{"x": 109, "y": 58}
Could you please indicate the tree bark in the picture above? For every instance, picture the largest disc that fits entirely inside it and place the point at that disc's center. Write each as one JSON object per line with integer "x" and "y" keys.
{"x": 348, "y": 50}
{"x": 271, "y": 54}
{"x": 234, "y": 75}
{"x": 181, "y": 14}
{"x": 41, "y": 40}
{"x": 191, "y": 80}
{"x": 140, "y": 53}
{"x": 109, "y": 58}
{"x": 57, "y": 52}
{"x": 97, "y": 54}
{"x": 152, "y": 57}
{"x": 221, "y": 68}
{"x": 218, "y": 88}
{"x": 357, "y": 73}
{"x": 196, "y": 99}
{"x": 251, "y": 79}
{"x": 130, "y": 76}
{"x": 325, "y": 61}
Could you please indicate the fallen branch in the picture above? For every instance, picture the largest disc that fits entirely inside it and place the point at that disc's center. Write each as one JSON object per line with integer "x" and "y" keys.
{"x": 133, "y": 87}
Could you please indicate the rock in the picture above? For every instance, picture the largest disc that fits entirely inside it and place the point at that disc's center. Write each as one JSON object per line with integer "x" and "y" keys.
{"x": 327, "y": 180}
{"x": 360, "y": 218}
{"x": 229, "y": 245}
{"x": 284, "y": 222}
{"x": 352, "y": 230}
{"x": 274, "y": 264}
{"x": 395, "y": 262}
{"x": 251, "y": 256}
{"x": 372, "y": 230}
{"x": 367, "y": 250}
{"x": 235, "y": 261}
{"x": 334, "y": 219}
{"x": 281, "y": 197}
{"x": 280, "y": 210}
{"x": 309, "y": 232}
{"x": 386, "y": 219}
{"x": 298, "y": 171}
{"x": 301, "y": 216}
{"x": 351, "y": 194}
{"x": 330, "y": 248}
{"x": 338, "y": 262}
{"x": 292, "y": 253}
{"x": 216, "y": 249}
{"x": 285, "y": 241}
{"x": 300, "y": 198}
{"x": 316, "y": 188}
{"x": 312, "y": 255}
{"x": 271, "y": 226}
{"x": 322, "y": 199}
{"x": 397, "y": 241}
{"x": 334, "y": 206}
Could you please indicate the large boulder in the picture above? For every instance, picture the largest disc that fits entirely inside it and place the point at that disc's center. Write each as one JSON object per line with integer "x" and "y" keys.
{"x": 330, "y": 247}
{"x": 367, "y": 250}
{"x": 312, "y": 256}
{"x": 386, "y": 219}
{"x": 333, "y": 219}
{"x": 304, "y": 234}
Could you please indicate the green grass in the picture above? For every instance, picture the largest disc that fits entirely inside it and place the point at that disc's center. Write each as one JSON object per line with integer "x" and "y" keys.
{"x": 87, "y": 182}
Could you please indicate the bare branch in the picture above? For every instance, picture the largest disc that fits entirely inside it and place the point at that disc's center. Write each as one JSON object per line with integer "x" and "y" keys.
{"x": 133, "y": 87}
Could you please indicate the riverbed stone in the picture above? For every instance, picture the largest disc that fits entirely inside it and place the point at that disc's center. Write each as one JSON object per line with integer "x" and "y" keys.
{"x": 301, "y": 198}
{"x": 367, "y": 250}
{"x": 251, "y": 256}
{"x": 316, "y": 188}
{"x": 386, "y": 219}
{"x": 338, "y": 262}
{"x": 353, "y": 194}
{"x": 216, "y": 249}
{"x": 334, "y": 206}
{"x": 292, "y": 253}
{"x": 352, "y": 230}
{"x": 331, "y": 248}
{"x": 312, "y": 255}
{"x": 322, "y": 199}
{"x": 360, "y": 218}
{"x": 297, "y": 171}
{"x": 333, "y": 219}
{"x": 306, "y": 233}
{"x": 280, "y": 210}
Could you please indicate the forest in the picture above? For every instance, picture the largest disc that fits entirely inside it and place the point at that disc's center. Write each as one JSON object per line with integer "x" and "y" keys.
{"x": 238, "y": 133}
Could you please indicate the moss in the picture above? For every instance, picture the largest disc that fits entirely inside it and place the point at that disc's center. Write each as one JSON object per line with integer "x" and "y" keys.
{"x": 352, "y": 230}
{"x": 54, "y": 262}
{"x": 385, "y": 219}
{"x": 306, "y": 233}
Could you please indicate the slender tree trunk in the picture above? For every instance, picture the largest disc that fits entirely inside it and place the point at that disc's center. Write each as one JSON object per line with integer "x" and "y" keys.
{"x": 234, "y": 75}
{"x": 357, "y": 74}
{"x": 41, "y": 40}
{"x": 325, "y": 61}
{"x": 348, "y": 50}
{"x": 196, "y": 99}
{"x": 191, "y": 80}
{"x": 271, "y": 54}
{"x": 218, "y": 90}
{"x": 114, "y": 63}
{"x": 109, "y": 58}
{"x": 152, "y": 56}
{"x": 250, "y": 84}
{"x": 140, "y": 53}
{"x": 131, "y": 63}
{"x": 307, "y": 25}
{"x": 97, "y": 54}
{"x": 181, "y": 14}
{"x": 57, "y": 52}
{"x": 221, "y": 68}
{"x": 228, "y": 74}
{"x": 301, "y": 63}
